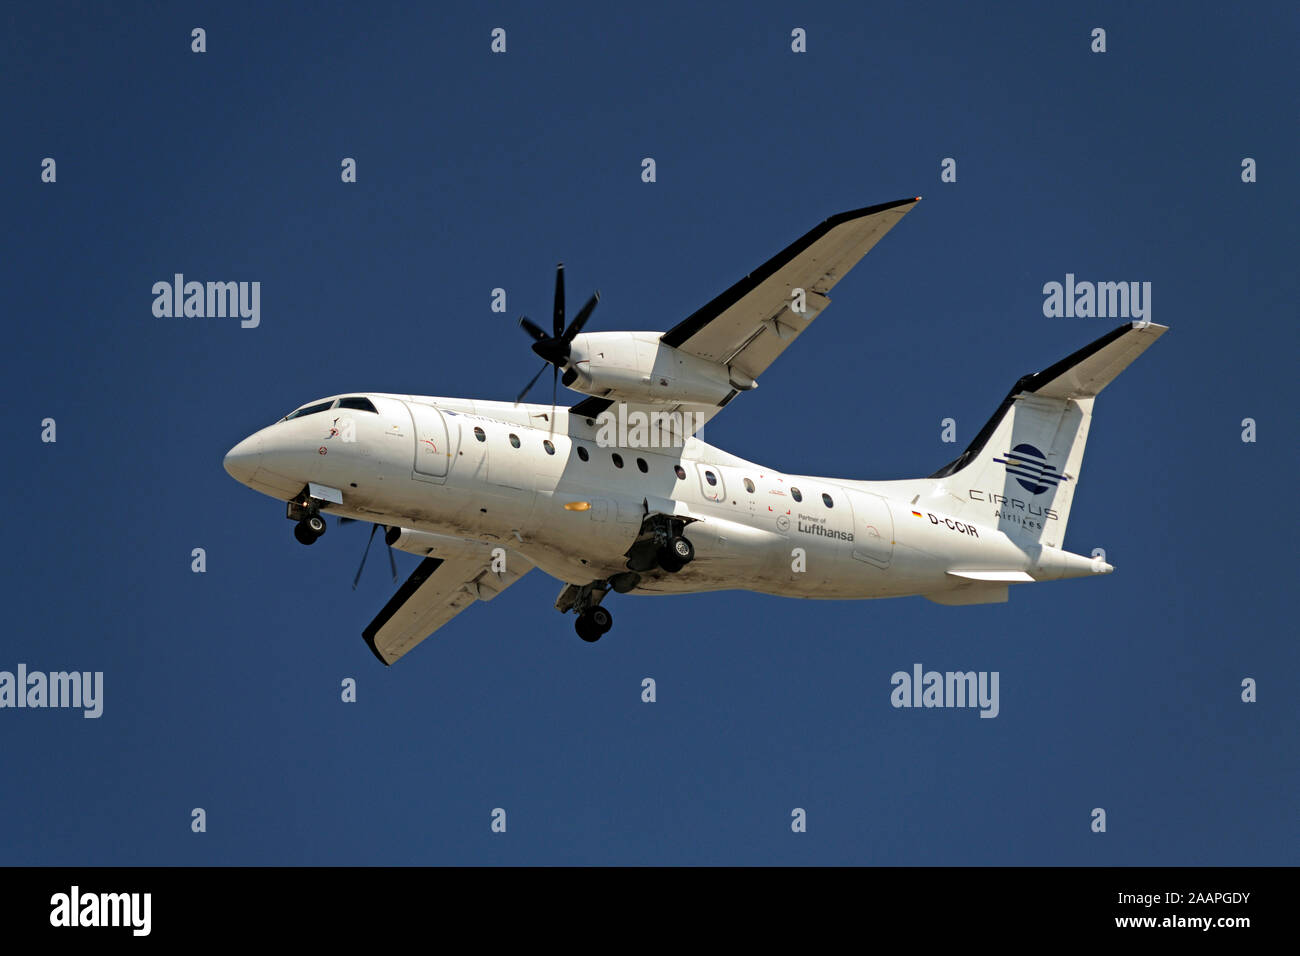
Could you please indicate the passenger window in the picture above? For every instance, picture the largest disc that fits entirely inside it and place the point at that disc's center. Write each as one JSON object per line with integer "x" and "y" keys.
{"x": 617, "y": 459}
{"x": 478, "y": 433}
{"x": 749, "y": 486}
{"x": 550, "y": 449}
{"x": 795, "y": 494}
{"x": 640, "y": 463}
{"x": 582, "y": 453}
{"x": 680, "y": 472}
{"x": 826, "y": 499}
{"x": 710, "y": 477}
{"x": 514, "y": 440}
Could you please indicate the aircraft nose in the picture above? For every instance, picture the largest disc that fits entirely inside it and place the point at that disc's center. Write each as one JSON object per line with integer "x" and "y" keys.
{"x": 243, "y": 460}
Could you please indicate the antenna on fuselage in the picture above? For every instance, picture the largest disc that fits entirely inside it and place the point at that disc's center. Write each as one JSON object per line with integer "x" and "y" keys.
{"x": 365, "y": 554}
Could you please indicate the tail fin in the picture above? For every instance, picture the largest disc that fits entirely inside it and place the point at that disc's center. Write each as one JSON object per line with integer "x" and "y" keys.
{"x": 1023, "y": 467}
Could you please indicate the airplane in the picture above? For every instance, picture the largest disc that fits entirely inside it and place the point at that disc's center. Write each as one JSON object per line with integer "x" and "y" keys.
{"x": 618, "y": 493}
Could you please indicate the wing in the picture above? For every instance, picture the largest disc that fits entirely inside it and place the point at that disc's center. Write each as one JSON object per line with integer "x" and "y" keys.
{"x": 438, "y": 590}
{"x": 753, "y": 322}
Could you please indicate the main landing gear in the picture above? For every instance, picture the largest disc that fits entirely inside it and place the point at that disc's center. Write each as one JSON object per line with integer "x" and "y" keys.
{"x": 660, "y": 546}
{"x": 593, "y": 623}
{"x": 676, "y": 554}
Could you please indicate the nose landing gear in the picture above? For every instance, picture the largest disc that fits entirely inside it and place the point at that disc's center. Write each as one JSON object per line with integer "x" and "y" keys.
{"x": 305, "y": 509}
{"x": 309, "y": 529}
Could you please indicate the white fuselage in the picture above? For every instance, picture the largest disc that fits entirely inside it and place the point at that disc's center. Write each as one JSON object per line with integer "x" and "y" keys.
{"x": 419, "y": 463}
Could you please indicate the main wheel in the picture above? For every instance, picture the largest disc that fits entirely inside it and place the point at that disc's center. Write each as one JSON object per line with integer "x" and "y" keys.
{"x": 315, "y": 524}
{"x": 586, "y": 630}
{"x": 304, "y": 534}
{"x": 593, "y": 623}
{"x": 601, "y": 619}
{"x": 678, "y": 553}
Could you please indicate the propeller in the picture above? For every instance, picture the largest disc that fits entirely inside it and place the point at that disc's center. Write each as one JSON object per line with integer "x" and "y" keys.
{"x": 365, "y": 554}
{"x": 554, "y": 349}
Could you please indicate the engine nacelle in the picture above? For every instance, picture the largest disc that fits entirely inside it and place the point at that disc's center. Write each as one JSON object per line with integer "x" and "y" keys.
{"x": 637, "y": 367}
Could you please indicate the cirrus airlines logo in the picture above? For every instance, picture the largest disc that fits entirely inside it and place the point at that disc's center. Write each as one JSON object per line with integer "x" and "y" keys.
{"x": 1030, "y": 468}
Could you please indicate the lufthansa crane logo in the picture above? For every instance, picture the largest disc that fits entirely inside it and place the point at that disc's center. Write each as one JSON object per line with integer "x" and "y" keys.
{"x": 1031, "y": 470}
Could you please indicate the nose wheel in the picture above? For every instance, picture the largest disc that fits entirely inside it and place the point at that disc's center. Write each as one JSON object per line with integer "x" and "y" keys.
{"x": 305, "y": 510}
{"x": 593, "y": 623}
{"x": 309, "y": 529}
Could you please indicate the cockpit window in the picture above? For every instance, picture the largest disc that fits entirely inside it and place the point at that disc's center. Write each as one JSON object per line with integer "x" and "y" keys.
{"x": 309, "y": 410}
{"x": 358, "y": 404}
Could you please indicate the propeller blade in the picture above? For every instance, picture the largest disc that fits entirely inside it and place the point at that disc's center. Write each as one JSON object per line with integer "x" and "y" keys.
{"x": 532, "y": 328}
{"x": 531, "y": 384}
{"x": 581, "y": 318}
{"x": 365, "y": 554}
{"x": 559, "y": 300}
{"x": 555, "y": 351}
{"x": 555, "y": 369}
{"x": 391, "y": 563}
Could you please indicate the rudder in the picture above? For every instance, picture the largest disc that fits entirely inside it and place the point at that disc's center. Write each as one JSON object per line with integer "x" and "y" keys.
{"x": 1022, "y": 468}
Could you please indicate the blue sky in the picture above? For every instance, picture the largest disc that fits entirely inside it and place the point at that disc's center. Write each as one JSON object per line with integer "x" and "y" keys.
{"x": 478, "y": 171}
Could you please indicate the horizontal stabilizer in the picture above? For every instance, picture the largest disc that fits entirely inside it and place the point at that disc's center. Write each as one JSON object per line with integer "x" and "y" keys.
{"x": 1088, "y": 371}
{"x": 1008, "y": 576}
